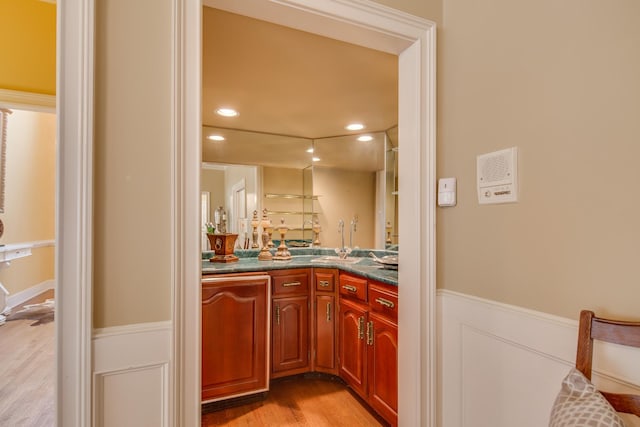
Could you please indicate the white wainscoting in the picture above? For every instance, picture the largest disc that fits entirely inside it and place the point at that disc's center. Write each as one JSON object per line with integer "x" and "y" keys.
{"x": 501, "y": 365}
{"x": 131, "y": 375}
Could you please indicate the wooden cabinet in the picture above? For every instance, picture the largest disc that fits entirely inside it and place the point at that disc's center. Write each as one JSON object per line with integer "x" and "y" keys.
{"x": 323, "y": 330}
{"x": 235, "y": 313}
{"x": 290, "y": 322}
{"x": 353, "y": 348}
{"x": 368, "y": 344}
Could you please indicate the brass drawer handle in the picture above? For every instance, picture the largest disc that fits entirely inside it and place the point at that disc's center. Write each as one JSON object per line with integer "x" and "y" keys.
{"x": 278, "y": 314}
{"x": 286, "y": 285}
{"x": 385, "y": 302}
{"x": 361, "y": 328}
{"x": 328, "y": 312}
{"x": 350, "y": 288}
{"x": 370, "y": 333}
{"x": 324, "y": 283}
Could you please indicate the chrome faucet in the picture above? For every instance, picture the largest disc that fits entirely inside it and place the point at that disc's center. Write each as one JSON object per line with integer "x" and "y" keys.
{"x": 344, "y": 251}
{"x": 352, "y": 231}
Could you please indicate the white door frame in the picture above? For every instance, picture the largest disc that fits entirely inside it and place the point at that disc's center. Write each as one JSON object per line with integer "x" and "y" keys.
{"x": 74, "y": 211}
{"x": 357, "y": 21}
{"x": 372, "y": 25}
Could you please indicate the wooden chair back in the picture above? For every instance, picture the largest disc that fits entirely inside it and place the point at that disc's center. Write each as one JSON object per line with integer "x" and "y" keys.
{"x": 613, "y": 331}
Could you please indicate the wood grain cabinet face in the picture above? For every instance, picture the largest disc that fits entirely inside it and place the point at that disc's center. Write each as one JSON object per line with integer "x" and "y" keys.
{"x": 235, "y": 318}
{"x": 352, "y": 348}
{"x": 290, "y": 334}
{"x": 368, "y": 343}
{"x": 290, "y": 322}
{"x": 325, "y": 312}
{"x": 382, "y": 361}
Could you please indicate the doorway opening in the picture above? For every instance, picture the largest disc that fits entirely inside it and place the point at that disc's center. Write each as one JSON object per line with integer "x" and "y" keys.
{"x": 377, "y": 27}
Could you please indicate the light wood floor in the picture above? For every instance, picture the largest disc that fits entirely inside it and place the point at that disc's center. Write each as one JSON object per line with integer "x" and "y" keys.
{"x": 27, "y": 372}
{"x": 314, "y": 402}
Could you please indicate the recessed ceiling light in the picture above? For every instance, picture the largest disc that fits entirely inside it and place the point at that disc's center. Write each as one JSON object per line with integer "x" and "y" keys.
{"x": 310, "y": 150}
{"x": 227, "y": 112}
{"x": 216, "y": 137}
{"x": 365, "y": 138}
{"x": 316, "y": 159}
{"x": 354, "y": 126}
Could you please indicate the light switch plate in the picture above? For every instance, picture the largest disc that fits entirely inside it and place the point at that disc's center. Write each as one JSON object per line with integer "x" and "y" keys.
{"x": 447, "y": 192}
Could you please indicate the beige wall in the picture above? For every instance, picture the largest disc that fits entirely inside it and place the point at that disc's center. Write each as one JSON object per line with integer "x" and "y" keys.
{"x": 341, "y": 195}
{"x": 132, "y": 221}
{"x": 560, "y": 81}
{"x": 429, "y": 9}
{"x": 212, "y": 180}
{"x": 29, "y": 196}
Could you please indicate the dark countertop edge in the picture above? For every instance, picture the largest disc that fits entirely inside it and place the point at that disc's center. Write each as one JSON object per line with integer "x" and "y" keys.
{"x": 365, "y": 268}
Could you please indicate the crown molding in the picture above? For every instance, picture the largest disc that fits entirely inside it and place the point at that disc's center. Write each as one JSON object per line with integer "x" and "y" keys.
{"x": 27, "y": 100}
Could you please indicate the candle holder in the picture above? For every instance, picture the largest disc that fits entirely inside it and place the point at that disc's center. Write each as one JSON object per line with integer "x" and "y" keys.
{"x": 254, "y": 223}
{"x": 316, "y": 233}
{"x": 264, "y": 254}
{"x": 282, "y": 254}
{"x": 267, "y": 228}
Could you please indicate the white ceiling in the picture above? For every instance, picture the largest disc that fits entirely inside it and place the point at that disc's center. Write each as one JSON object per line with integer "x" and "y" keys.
{"x": 290, "y": 82}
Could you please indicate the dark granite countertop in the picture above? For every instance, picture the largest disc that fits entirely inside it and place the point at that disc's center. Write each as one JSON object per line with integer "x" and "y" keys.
{"x": 305, "y": 258}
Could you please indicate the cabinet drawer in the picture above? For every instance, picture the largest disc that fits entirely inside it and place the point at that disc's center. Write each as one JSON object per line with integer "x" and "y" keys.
{"x": 325, "y": 279}
{"x": 287, "y": 282}
{"x": 353, "y": 287}
{"x": 383, "y": 300}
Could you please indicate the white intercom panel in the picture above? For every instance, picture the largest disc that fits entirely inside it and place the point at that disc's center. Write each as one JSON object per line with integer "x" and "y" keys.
{"x": 498, "y": 176}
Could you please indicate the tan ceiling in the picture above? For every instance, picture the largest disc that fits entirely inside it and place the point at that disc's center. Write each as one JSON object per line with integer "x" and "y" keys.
{"x": 290, "y": 82}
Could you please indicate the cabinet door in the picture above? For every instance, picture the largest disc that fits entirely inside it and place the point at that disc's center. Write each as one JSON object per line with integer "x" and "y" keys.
{"x": 290, "y": 336}
{"x": 382, "y": 354}
{"x": 352, "y": 346}
{"x": 325, "y": 334}
{"x": 234, "y": 336}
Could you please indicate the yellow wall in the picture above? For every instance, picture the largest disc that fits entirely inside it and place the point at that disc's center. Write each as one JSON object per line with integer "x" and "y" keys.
{"x": 28, "y": 34}
{"x": 29, "y": 196}
{"x": 132, "y": 220}
{"x": 560, "y": 81}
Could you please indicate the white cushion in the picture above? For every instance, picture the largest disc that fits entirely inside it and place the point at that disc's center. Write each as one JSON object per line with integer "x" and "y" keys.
{"x": 579, "y": 404}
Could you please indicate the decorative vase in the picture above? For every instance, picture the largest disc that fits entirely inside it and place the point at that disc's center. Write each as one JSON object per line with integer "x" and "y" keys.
{"x": 223, "y": 245}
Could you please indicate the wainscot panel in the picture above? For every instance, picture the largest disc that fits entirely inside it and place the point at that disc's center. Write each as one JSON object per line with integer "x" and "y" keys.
{"x": 131, "y": 375}
{"x": 501, "y": 365}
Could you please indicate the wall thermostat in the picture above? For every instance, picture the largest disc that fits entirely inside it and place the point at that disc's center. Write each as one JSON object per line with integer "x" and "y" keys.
{"x": 497, "y": 174}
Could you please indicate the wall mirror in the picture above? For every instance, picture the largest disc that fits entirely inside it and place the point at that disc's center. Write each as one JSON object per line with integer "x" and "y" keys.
{"x": 306, "y": 181}
{"x": 295, "y": 93}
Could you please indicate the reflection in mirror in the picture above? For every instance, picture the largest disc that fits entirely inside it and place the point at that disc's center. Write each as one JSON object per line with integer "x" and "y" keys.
{"x": 307, "y": 183}
{"x": 235, "y": 188}
{"x": 391, "y": 189}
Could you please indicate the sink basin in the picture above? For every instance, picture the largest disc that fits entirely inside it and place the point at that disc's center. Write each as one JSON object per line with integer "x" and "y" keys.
{"x": 329, "y": 259}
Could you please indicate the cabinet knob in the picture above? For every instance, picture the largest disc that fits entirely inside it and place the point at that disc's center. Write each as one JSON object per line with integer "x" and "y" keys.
{"x": 324, "y": 283}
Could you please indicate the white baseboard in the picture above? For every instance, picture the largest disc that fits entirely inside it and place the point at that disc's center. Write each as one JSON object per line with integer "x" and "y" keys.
{"x": 501, "y": 365}
{"x": 25, "y": 295}
{"x": 131, "y": 375}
